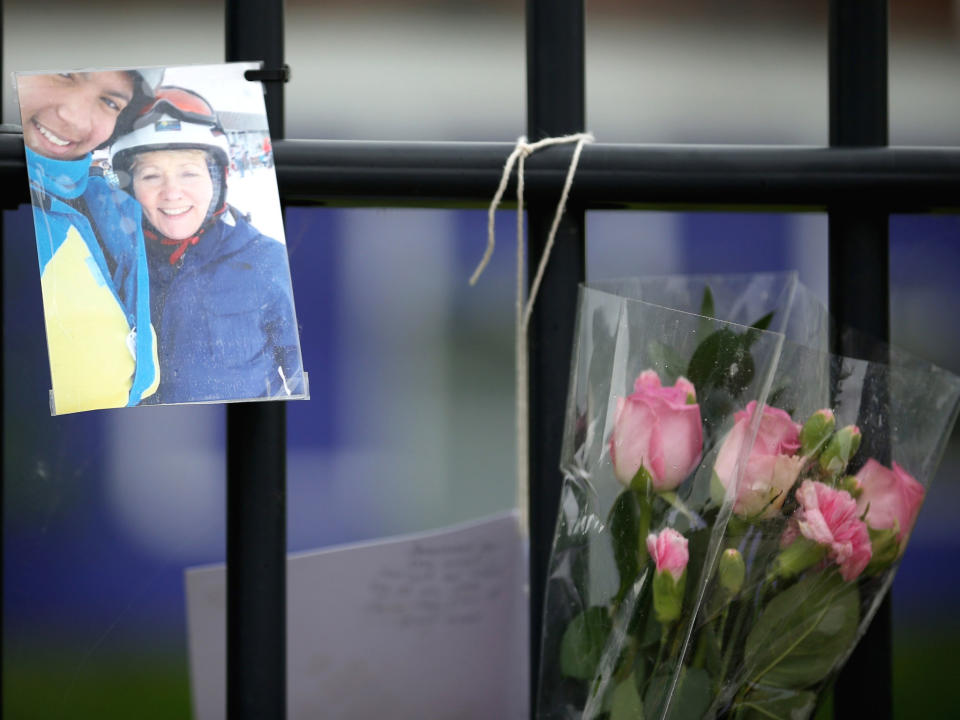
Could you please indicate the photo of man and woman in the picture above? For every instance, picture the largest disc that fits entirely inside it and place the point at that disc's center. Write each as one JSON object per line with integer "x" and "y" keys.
{"x": 163, "y": 263}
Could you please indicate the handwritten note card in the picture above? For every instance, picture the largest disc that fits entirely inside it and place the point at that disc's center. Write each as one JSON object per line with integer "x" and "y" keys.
{"x": 428, "y": 626}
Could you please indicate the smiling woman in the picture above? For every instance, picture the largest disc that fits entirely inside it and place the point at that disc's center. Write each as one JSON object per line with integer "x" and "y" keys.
{"x": 175, "y": 190}
{"x": 220, "y": 293}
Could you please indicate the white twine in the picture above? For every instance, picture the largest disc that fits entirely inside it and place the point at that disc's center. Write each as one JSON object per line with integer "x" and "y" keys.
{"x": 523, "y": 311}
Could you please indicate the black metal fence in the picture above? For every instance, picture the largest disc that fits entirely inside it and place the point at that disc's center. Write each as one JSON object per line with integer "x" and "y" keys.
{"x": 858, "y": 180}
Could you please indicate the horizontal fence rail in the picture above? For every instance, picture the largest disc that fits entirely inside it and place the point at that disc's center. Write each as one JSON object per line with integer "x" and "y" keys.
{"x": 343, "y": 172}
{"x": 617, "y": 175}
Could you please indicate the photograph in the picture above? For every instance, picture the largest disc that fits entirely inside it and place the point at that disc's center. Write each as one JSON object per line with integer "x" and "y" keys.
{"x": 163, "y": 263}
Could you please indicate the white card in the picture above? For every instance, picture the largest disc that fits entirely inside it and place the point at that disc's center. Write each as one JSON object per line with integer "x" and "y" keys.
{"x": 432, "y": 625}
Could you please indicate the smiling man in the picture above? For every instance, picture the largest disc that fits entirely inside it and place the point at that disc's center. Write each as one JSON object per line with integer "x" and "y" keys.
{"x": 92, "y": 260}
{"x": 67, "y": 115}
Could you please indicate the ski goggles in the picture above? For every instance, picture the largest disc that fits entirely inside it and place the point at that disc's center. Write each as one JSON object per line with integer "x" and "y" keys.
{"x": 178, "y": 103}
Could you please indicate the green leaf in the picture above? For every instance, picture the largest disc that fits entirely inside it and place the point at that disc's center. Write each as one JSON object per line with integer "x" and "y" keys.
{"x": 722, "y": 360}
{"x": 715, "y": 407}
{"x": 751, "y": 335}
{"x": 775, "y": 397}
{"x": 706, "y": 311}
{"x": 740, "y": 374}
{"x": 802, "y": 632}
{"x": 583, "y": 642}
{"x": 706, "y": 305}
{"x": 764, "y": 322}
{"x": 625, "y": 536}
{"x": 691, "y": 698}
{"x": 766, "y": 703}
{"x": 717, "y": 351}
{"x": 641, "y": 483}
{"x": 665, "y": 358}
{"x": 626, "y": 703}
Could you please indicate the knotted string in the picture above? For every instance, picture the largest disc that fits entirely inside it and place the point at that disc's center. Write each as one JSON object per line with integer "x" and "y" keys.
{"x": 524, "y": 310}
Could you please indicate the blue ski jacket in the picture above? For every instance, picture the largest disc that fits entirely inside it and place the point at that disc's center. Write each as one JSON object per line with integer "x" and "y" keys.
{"x": 225, "y": 317}
{"x": 94, "y": 280}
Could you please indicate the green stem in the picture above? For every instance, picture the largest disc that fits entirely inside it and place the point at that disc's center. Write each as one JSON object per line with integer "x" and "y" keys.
{"x": 756, "y": 708}
{"x": 664, "y": 640}
{"x": 728, "y": 654}
{"x": 699, "y": 657}
{"x": 723, "y": 621}
{"x": 626, "y": 667}
{"x": 643, "y": 527}
{"x": 742, "y": 612}
{"x": 676, "y": 643}
{"x": 764, "y": 589}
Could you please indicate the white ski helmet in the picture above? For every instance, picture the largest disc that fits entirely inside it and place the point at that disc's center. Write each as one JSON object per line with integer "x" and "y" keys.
{"x": 177, "y": 119}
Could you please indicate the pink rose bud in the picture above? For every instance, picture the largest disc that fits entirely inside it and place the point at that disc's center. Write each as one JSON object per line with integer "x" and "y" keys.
{"x": 770, "y": 471}
{"x": 657, "y": 429}
{"x": 816, "y": 431}
{"x": 829, "y": 517}
{"x": 670, "y": 554}
{"x": 669, "y": 551}
{"x": 840, "y": 449}
{"x": 891, "y": 498}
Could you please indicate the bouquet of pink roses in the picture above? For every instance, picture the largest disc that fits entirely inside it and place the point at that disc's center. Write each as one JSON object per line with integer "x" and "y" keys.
{"x": 736, "y": 500}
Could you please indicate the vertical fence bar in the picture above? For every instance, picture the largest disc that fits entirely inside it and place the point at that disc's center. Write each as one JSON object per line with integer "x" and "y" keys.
{"x": 859, "y": 285}
{"x": 555, "y": 106}
{"x": 3, "y": 428}
{"x": 256, "y": 462}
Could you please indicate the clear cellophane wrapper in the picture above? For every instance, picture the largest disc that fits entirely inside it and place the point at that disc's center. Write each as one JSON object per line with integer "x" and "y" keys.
{"x": 780, "y": 581}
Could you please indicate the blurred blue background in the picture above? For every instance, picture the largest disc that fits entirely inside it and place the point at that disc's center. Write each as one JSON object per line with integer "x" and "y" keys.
{"x": 410, "y": 422}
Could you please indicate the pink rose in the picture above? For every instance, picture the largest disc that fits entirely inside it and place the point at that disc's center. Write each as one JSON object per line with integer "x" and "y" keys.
{"x": 659, "y": 428}
{"x": 669, "y": 552}
{"x": 771, "y": 469}
{"x": 829, "y": 517}
{"x": 891, "y": 498}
